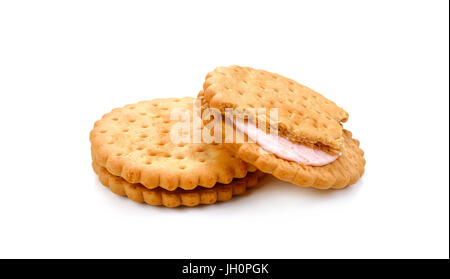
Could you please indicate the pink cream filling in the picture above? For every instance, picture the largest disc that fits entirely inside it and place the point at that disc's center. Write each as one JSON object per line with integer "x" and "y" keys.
{"x": 284, "y": 148}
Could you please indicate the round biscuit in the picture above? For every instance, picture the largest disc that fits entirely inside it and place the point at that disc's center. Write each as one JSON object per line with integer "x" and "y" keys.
{"x": 134, "y": 142}
{"x": 179, "y": 197}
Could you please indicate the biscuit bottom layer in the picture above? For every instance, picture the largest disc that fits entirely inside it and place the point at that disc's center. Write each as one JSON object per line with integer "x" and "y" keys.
{"x": 284, "y": 148}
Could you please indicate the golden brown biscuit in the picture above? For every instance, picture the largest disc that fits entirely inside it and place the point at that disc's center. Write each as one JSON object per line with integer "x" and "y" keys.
{"x": 158, "y": 196}
{"x": 304, "y": 116}
{"x": 133, "y": 142}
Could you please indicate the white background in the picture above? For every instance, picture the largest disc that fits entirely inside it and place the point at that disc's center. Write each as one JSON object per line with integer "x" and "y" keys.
{"x": 64, "y": 64}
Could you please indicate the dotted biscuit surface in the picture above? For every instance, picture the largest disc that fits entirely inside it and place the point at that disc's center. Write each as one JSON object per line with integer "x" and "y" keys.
{"x": 178, "y": 197}
{"x": 304, "y": 115}
{"x": 133, "y": 142}
{"x": 346, "y": 170}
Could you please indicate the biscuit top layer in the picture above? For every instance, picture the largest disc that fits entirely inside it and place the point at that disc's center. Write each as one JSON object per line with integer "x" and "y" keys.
{"x": 304, "y": 116}
{"x": 134, "y": 142}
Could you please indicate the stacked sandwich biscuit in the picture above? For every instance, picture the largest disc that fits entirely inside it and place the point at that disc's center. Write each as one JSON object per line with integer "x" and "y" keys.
{"x": 137, "y": 152}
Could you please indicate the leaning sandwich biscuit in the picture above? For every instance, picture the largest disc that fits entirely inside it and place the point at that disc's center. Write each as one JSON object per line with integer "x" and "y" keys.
{"x": 310, "y": 147}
